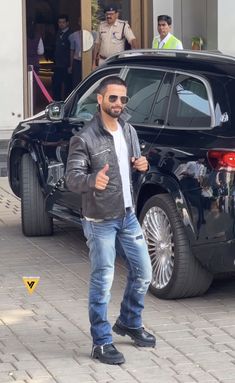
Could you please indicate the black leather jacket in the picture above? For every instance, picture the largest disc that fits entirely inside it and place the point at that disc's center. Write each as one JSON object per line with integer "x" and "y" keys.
{"x": 89, "y": 151}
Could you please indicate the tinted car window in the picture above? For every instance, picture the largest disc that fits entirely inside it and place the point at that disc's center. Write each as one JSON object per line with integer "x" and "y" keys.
{"x": 161, "y": 102}
{"x": 142, "y": 85}
{"x": 189, "y": 103}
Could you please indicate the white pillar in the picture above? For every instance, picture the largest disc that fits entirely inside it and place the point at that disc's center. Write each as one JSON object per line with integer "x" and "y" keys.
{"x": 226, "y": 26}
{"x": 160, "y": 7}
{"x": 11, "y": 73}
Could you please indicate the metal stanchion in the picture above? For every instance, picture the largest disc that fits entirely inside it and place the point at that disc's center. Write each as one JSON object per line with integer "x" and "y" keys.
{"x": 30, "y": 90}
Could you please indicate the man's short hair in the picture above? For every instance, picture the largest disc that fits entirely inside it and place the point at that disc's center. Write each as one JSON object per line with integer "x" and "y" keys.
{"x": 63, "y": 16}
{"x": 165, "y": 18}
{"x": 111, "y": 80}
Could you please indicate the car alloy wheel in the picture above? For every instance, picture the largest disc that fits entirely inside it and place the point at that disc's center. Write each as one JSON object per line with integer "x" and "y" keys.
{"x": 159, "y": 237}
{"x": 176, "y": 273}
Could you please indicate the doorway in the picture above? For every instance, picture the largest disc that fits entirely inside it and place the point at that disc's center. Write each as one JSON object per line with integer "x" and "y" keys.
{"x": 41, "y": 23}
{"x": 45, "y": 12}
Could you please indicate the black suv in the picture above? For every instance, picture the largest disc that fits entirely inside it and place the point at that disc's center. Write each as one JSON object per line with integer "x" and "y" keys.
{"x": 182, "y": 105}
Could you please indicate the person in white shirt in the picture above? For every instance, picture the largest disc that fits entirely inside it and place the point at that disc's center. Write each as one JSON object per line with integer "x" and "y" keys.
{"x": 76, "y": 55}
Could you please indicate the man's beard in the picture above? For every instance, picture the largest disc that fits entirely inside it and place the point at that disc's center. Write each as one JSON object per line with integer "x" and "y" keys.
{"x": 111, "y": 112}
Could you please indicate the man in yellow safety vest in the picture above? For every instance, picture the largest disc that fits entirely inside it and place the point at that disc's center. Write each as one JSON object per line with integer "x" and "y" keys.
{"x": 165, "y": 40}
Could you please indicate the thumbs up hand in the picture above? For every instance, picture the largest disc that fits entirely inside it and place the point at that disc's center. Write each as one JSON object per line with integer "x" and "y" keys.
{"x": 102, "y": 179}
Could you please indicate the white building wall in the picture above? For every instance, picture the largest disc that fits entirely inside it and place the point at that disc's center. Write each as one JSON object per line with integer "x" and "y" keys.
{"x": 194, "y": 16}
{"x": 212, "y": 25}
{"x": 11, "y": 59}
{"x": 226, "y": 25}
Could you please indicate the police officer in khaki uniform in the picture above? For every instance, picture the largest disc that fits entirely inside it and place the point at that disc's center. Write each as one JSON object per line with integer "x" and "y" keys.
{"x": 111, "y": 36}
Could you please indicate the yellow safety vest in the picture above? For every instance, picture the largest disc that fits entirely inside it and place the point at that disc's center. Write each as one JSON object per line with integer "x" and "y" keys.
{"x": 171, "y": 43}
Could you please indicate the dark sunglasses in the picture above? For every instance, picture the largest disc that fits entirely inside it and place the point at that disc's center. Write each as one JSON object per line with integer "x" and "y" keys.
{"x": 123, "y": 99}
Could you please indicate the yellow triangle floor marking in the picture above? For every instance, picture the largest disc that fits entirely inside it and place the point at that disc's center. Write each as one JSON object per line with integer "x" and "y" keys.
{"x": 31, "y": 283}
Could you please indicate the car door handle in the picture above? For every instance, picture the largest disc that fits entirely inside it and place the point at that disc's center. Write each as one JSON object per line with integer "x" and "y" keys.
{"x": 158, "y": 121}
{"x": 142, "y": 144}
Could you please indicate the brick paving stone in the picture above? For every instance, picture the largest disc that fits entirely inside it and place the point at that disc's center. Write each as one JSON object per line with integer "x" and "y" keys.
{"x": 202, "y": 376}
{"x": 187, "y": 368}
{"x": 7, "y": 358}
{"x": 221, "y": 339}
{"x": 6, "y": 377}
{"x": 60, "y": 367}
{"x": 40, "y": 380}
{"x": 184, "y": 378}
{"x": 6, "y": 367}
{"x": 223, "y": 373}
{"x": 23, "y": 356}
{"x": 216, "y": 366}
{"x": 149, "y": 372}
{"x": 223, "y": 348}
{"x": 213, "y": 356}
{"x": 20, "y": 375}
{"x": 103, "y": 377}
{"x": 36, "y": 373}
{"x": 84, "y": 378}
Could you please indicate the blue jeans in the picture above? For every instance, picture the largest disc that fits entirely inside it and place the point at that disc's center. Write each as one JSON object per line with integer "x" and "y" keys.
{"x": 101, "y": 238}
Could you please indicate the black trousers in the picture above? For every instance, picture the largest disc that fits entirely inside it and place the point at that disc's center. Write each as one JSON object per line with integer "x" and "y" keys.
{"x": 61, "y": 83}
{"x": 76, "y": 72}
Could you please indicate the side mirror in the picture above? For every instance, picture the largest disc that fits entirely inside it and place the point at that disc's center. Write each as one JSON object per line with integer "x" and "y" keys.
{"x": 55, "y": 111}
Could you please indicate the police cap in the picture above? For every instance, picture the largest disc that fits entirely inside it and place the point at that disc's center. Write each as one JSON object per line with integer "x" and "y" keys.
{"x": 111, "y": 8}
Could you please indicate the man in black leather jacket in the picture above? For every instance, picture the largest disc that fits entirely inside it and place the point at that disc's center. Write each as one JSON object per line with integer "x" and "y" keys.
{"x": 100, "y": 161}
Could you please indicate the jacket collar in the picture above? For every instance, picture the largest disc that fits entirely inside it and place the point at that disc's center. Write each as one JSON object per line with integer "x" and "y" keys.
{"x": 124, "y": 117}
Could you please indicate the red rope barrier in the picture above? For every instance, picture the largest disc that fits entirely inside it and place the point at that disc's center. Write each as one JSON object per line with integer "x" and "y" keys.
{"x": 42, "y": 87}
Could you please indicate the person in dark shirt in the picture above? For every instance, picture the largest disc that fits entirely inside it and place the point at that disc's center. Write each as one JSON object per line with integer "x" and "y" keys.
{"x": 61, "y": 80}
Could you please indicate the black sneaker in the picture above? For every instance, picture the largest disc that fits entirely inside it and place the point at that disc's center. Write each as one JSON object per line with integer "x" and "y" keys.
{"x": 107, "y": 354}
{"x": 141, "y": 337}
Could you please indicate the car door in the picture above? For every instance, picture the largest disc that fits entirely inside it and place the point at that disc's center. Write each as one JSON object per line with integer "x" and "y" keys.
{"x": 145, "y": 85}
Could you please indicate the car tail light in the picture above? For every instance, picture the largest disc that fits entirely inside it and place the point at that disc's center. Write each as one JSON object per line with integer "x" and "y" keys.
{"x": 221, "y": 159}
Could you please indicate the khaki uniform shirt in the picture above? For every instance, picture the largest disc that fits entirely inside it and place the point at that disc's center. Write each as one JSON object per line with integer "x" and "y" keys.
{"x": 110, "y": 37}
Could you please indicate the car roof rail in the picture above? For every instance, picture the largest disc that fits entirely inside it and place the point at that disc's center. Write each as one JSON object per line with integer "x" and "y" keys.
{"x": 184, "y": 53}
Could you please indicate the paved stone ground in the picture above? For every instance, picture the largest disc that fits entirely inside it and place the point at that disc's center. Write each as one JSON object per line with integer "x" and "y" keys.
{"x": 3, "y": 157}
{"x": 44, "y": 337}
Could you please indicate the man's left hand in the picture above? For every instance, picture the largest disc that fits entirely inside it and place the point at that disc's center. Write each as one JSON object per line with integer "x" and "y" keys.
{"x": 140, "y": 164}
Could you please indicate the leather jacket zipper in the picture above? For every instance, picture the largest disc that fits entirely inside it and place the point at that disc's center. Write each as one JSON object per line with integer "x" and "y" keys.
{"x": 103, "y": 151}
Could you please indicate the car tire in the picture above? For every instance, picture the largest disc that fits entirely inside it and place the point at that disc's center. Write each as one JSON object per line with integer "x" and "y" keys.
{"x": 176, "y": 272}
{"x": 34, "y": 218}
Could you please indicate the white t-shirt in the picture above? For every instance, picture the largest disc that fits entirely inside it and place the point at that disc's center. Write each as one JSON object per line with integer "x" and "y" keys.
{"x": 123, "y": 162}
{"x": 40, "y": 49}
